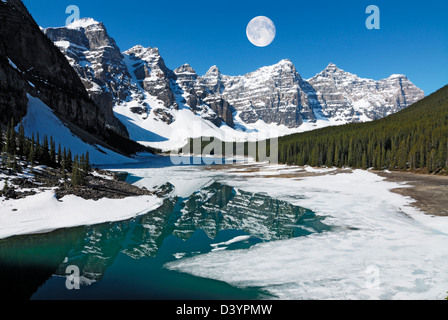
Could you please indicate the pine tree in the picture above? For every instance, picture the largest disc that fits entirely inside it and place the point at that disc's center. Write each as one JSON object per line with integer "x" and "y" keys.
{"x": 12, "y": 162}
{"x": 402, "y": 156}
{"x": 75, "y": 172}
{"x": 336, "y": 157}
{"x": 21, "y": 140}
{"x": 52, "y": 159}
{"x": 69, "y": 162}
{"x": 7, "y": 137}
{"x": 5, "y": 187}
{"x": 351, "y": 154}
{"x": 89, "y": 166}
{"x": 63, "y": 170}
{"x": 64, "y": 157}
{"x": 15, "y": 166}
{"x": 1, "y": 138}
{"x": 330, "y": 156}
{"x": 432, "y": 161}
{"x": 59, "y": 158}
{"x": 45, "y": 151}
{"x": 446, "y": 163}
{"x": 78, "y": 174}
{"x": 38, "y": 149}
{"x": 32, "y": 153}
{"x": 11, "y": 137}
{"x": 4, "y": 158}
{"x": 81, "y": 169}
{"x": 364, "y": 163}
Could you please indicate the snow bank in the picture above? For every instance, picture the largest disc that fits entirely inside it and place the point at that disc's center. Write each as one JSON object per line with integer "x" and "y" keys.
{"x": 44, "y": 213}
{"x": 82, "y": 23}
{"x": 41, "y": 119}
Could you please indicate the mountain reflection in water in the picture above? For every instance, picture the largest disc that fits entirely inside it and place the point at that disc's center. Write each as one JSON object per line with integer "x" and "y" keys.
{"x": 208, "y": 219}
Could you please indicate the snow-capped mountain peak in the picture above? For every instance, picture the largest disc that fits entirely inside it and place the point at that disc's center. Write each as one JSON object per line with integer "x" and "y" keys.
{"x": 83, "y": 23}
{"x": 146, "y": 54}
{"x": 332, "y": 71}
{"x": 144, "y": 92}
{"x": 213, "y": 69}
{"x": 331, "y": 67}
{"x": 348, "y": 98}
{"x": 286, "y": 62}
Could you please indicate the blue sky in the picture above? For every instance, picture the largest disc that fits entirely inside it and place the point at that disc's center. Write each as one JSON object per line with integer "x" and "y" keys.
{"x": 412, "y": 40}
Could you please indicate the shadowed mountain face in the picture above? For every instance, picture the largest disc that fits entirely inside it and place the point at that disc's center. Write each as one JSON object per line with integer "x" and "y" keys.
{"x": 208, "y": 212}
{"x": 31, "y": 63}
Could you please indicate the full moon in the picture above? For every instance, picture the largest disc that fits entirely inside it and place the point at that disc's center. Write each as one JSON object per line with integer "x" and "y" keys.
{"x": 261, "y": 31}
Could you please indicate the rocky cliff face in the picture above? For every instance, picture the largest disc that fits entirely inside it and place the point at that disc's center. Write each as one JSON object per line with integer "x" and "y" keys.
{"x": 275, "y": 94}
{"x": 40, "y": 67}
{"x": 151, "y": 73}
{"x": 137, "y": 76}
{"x": 31, "y": 63}
{"x": 278, "y": 94}
{"x": 345, "y": 96}
{"x": 98, "y": 62}
{"x": 201, "y": 99}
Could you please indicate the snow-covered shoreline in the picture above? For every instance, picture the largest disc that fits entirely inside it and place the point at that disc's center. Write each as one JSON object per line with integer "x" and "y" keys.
{"x": 382, "y": 247}
{"x": 43, "y": 212}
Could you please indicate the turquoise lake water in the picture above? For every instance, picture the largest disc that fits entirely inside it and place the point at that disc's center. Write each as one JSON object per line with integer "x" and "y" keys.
{"x": 125, "y": 260}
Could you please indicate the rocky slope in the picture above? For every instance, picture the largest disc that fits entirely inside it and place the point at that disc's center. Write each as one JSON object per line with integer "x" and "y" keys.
{"x": 98, "y": 62}
{"x": 30, "y": 64}
{"x": 345, "y": 96}
{"x": 146, "y": 93}
{"x": 275, "y": 94}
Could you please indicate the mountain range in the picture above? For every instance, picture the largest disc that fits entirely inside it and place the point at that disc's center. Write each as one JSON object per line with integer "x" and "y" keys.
{"x": 83, "y": 83}
{"x": 151, "y": 99}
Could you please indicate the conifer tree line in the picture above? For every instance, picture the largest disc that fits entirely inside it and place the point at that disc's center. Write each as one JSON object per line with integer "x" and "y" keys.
{"x": 415, "y": 138}
{"x": 15, "y": 147}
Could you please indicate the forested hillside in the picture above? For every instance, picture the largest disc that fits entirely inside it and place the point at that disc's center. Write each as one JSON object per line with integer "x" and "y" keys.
{"x": 415, "y": 138}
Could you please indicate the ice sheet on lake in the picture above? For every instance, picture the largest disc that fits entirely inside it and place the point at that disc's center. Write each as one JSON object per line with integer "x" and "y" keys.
{"x": 383, "y": 248}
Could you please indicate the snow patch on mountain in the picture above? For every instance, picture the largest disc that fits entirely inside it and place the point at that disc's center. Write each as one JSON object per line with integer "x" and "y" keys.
{"x": 82, "y": 23}
{"x": 40, "y": 119}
